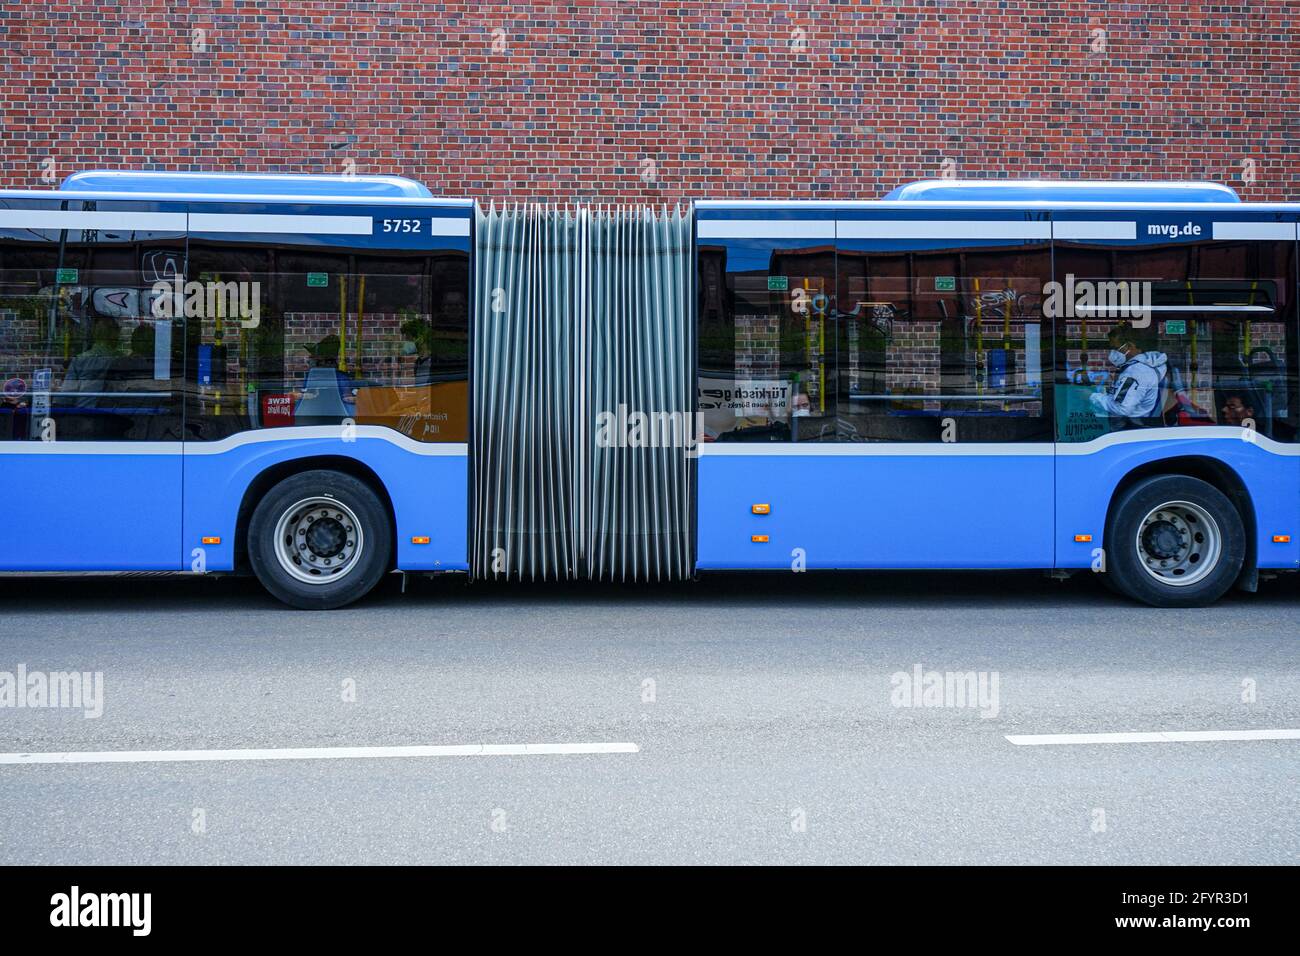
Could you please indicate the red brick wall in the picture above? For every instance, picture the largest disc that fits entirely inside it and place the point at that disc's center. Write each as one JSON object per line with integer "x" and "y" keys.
{"x": 656, "y": 101}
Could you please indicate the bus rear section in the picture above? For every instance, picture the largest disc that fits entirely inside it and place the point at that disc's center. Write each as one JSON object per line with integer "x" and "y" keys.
{"x": 1103, "y": 386}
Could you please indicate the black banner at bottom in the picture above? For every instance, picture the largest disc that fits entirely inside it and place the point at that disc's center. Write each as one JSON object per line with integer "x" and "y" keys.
{"x": 338, "y": 905}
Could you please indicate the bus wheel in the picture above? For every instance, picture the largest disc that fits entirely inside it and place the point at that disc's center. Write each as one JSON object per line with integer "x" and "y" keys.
{"x": 319, "y": 540}
{"x": 1175, "y": 541}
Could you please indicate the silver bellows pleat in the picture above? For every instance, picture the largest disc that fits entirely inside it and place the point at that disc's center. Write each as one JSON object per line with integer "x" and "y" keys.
{"x": 583, "y": 394}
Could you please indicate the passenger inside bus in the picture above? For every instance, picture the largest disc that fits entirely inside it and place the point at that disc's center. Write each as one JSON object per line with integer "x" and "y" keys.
{"x": 1151, "y": 388}
{"x": 1237, "y": 409}
{"x": 327, "y": 393}
{"x": 1136, "y": 396}
{"x": 88, "y": 373}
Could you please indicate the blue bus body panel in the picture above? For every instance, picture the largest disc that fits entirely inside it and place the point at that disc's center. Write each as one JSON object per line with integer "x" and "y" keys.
{"x": 1088, "y": 473}
{"x": 120, "y": 508}
{"x": 884, "y": 510}
{"x": 427, "y": 483}
{"x": 79, "y": 508}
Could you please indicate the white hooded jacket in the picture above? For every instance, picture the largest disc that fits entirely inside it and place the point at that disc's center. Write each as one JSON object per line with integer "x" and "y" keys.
{"x": 1136, "y": 392}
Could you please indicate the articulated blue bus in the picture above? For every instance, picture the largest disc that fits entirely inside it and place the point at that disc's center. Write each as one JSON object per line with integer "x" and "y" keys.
{"x": 320, "y": 380}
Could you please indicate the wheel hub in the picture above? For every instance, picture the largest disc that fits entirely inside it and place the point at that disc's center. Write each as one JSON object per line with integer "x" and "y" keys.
{"x": 318, "y": 540}
{"x": 1162, "y": 539}
{"x": 1179, "y": 543}
{"x": 325, "y": 536}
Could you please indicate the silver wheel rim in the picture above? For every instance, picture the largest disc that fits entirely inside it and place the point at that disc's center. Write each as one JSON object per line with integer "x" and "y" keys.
{"x": 319, "y": 540}
{"x": 1178, "y": 543}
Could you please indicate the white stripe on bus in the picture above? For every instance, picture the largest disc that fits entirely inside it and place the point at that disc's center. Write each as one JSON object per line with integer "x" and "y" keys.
{"x": 765, "y": 229}
{"x": 202, "y": 222}
{"x": 1255, "y": 230}
{"x": 446, "y": 226}
{"x": 1104, "y": 229}
{"x": 295, "y": 433}
{"x": 993, "y": 449}
{"x": 872, "y": 449}
{"x": 1192, "y": 433}
{"x": 942, "y": 229}
{"x": 59, "y": 219}
{"x": 710, "y": 449}
{"x": 704, "y": 449}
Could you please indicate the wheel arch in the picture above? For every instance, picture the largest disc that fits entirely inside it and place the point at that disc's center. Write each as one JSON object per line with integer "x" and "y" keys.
{"x": 1212, "y": 471}
{"x": 272, "y": 475}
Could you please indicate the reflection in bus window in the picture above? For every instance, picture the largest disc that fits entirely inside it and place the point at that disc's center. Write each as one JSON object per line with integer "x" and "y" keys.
{"x": 1212, "y": 334}
{"x": 767, "y": 342}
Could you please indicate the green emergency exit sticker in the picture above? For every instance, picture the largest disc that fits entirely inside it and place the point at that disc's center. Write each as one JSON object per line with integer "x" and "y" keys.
{"x": 318, "y": 280}
{"x": 945, "y": 283}
{"x": 1176, "y": 327}
{"x": 778, "y": 283}
{"x": 66, "y": 275}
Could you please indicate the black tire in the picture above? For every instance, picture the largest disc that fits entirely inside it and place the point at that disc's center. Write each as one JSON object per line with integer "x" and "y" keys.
{"x": 337, "y": 510}
{"x": 1156, "y": 523}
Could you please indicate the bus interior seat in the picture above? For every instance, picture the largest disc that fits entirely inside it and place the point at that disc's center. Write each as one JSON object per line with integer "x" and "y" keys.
{"x": 322, "y": 395}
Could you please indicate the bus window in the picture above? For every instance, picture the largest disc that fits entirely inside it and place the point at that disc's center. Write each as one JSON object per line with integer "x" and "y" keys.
{"x": 1184, "y": 335}
{"x": 28, "y": 331}
{"x": 767, "y": 342}
{"x": 942, "y": 344}
{"x": 370, "y": 339}
{"x": 84, "y": 353}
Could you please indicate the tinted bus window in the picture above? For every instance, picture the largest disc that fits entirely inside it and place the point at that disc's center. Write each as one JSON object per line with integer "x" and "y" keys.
{"x": 1176, "y": 331}
{"x": 85, "y": 355}
{"x": 343, "y": 333}
{"x": 767, "y": 339}
{"x": 942, "y": 338}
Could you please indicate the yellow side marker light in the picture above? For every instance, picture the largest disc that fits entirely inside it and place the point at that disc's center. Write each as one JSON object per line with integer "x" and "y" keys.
{"x": 758, "y": 538}
{"x": 211, "y": 540}
{"x": 1281, "y": 539}
{"x": 1082, "y": 538}
{"x": 420, "y": 539}
{"x": 761, "y": 509}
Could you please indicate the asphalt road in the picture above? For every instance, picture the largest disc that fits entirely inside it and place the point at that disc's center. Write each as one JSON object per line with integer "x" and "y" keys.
{"x": 772, "y": 732}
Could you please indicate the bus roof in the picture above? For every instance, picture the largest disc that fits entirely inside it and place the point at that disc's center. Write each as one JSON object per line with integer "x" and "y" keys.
{"x": 107, "y": 185}
{"x": 245, "y": 184}
{"x": 1058, "y": 191}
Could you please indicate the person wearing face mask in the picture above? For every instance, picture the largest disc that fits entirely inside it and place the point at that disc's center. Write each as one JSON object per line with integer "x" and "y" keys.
{"x": 1135, "y": 394}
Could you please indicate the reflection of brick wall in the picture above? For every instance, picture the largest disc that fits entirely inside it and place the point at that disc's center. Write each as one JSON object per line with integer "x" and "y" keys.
{"x": 21, "y": 342}
{"x": 758, "y": 348}
{"x": 912, "y": 358}
{"x": 381, "y": 358}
